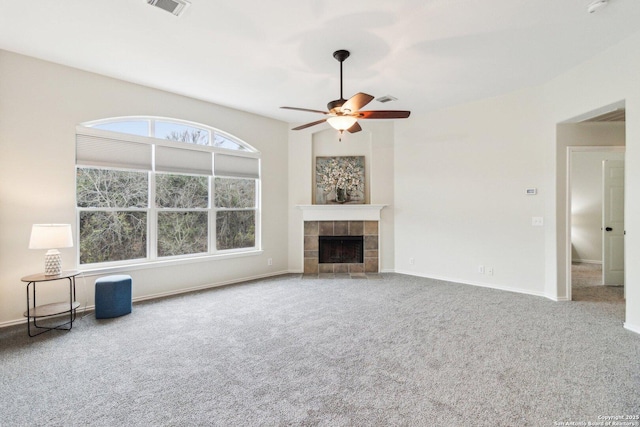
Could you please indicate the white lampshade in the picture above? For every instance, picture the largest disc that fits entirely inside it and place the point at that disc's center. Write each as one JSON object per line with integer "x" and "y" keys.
{"x": 342, "y": 123}
{"x": 51, "y": 237}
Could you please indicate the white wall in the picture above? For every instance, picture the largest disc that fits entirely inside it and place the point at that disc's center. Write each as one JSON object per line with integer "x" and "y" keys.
{"x": 461, "y": 203}
{"x": 40, "y": 105}
{"x": 461, "y": 175}
{"x": 586, "y": 203}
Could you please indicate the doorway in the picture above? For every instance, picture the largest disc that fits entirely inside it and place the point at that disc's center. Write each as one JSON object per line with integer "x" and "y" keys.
{"x": 591, "y": 258}
{"x": 604, "y": 127}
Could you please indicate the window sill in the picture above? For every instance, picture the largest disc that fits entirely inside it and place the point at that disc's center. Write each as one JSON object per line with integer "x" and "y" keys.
{"x": 97, "y": 271}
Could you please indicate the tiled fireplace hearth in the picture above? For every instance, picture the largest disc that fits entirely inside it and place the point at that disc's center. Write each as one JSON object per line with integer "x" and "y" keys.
{"x": 314, "y": 229}
{"x": 333, "y": 221}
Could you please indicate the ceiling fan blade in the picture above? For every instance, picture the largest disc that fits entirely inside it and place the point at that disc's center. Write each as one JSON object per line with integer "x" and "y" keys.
{"x": 355, "y": 128}
{"x": 356, "y": 102}
{"x": 308, "y": 125}
{"x": 305, "y": 109}
{"x": 384, "y": 114}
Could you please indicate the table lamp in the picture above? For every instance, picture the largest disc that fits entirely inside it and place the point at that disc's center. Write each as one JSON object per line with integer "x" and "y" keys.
{"x": 51, "y": 237}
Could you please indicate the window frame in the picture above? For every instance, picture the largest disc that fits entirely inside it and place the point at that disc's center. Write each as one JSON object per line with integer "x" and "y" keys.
{"x": 158, "y": 210}
{"x": 86, "y": 129}
{"x": 217, "y": 209}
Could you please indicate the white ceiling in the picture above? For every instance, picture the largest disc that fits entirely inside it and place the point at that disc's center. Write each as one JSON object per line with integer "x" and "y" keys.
{"x": 258, "y": 55}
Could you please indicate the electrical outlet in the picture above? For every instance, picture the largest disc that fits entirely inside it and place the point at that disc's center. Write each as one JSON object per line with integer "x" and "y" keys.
{"x": 490, "y": 271}
{"x": 537, "y": 221}
{"x": 412, "y": 261}
{"x": 269, "y": 261}
{"x": 481, "y": 269}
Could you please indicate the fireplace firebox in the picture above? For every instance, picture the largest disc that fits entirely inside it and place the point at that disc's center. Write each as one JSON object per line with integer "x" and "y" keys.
{"x": 365, "y": 230}
{"x": 340, "y": 249}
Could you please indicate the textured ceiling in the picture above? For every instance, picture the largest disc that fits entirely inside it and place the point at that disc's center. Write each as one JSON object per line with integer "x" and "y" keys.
{"x": 257, "y": 56}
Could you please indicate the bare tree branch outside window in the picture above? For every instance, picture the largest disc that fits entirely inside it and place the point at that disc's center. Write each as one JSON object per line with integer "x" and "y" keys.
{"x": 115, "y": 234}
{"x": 185, "y": 231}
{"x": 235, "y": 228}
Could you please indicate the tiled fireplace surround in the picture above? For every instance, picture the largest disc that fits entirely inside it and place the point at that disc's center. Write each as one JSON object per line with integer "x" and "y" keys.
{"x": 367, "y": 229}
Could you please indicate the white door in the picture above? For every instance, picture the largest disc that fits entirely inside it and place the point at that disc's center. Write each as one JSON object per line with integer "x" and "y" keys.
{"x": 613, "y": 222}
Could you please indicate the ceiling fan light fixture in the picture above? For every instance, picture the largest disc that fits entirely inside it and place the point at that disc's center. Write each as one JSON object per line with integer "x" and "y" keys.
{"x": 342, "y": 123}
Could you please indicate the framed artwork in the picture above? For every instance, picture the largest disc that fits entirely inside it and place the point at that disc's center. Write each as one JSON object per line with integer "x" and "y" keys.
{"x": 339, "y": 180}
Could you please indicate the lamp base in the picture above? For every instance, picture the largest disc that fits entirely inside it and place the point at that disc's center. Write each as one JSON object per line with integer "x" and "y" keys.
{"x": 52, "y": 263}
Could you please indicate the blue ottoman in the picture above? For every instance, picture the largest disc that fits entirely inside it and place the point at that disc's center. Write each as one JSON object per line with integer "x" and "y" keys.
{"x": 113, "y": 296}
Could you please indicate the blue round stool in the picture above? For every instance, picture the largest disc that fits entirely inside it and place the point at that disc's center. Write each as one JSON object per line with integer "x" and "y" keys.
{"x": 113, "y": 296}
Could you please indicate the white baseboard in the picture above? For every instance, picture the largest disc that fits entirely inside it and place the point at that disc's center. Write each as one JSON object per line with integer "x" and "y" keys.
{"x": 556, "y": 299}
{"x": 12, "y": 322}
{"x": 481, "y": 285}
{"x": 632, "y": 328}
{"x": 208, "y": 286}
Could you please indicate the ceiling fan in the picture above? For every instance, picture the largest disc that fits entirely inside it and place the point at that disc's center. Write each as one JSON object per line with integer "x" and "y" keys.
{"x": 344, "y": 113}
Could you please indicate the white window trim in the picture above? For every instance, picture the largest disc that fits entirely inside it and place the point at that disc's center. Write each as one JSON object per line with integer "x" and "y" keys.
{"x": 83, "y": 130}
{"x": 151, "y": 120}
{"x": 122, "y": 266}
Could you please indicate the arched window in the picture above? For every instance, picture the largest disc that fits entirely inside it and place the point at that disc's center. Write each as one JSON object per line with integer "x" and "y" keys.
{"x": 150, "y": 188}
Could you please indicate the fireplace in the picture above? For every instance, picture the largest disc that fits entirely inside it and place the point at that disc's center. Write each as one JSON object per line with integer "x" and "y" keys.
{"x": 341, "y": 260}
{"x": 340, "y": 249}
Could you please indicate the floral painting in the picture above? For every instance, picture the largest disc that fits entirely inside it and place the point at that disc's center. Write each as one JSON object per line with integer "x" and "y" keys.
{"x": 339, "y": 180}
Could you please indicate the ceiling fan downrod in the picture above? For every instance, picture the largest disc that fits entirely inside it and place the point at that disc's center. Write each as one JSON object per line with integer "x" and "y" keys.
{"x": 339, "y": 55}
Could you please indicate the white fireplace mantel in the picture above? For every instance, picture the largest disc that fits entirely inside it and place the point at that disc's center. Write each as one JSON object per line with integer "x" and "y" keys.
{"x": 341, "y": 212}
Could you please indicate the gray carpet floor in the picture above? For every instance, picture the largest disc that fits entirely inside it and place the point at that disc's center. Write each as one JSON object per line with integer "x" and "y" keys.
{"x": 388, "y": 350}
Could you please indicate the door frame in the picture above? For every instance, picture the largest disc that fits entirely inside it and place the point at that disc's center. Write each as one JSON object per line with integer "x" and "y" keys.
{"x": 570, "y": 150}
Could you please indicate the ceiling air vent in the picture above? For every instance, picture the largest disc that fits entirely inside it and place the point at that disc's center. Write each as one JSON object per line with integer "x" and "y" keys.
{"x": 172, "y": 6}
{"x": 386, "y": 98}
